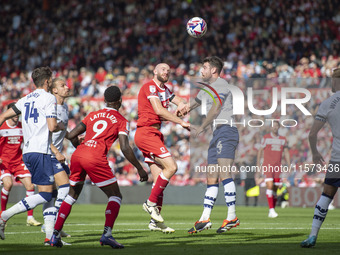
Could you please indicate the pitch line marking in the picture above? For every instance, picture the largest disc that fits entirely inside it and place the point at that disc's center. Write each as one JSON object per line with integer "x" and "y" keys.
{"x": 148, "y": 230}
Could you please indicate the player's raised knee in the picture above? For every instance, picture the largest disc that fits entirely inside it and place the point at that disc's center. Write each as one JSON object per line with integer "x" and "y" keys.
{"x": 46, "y": 195}
{"x": 172, "y": 168}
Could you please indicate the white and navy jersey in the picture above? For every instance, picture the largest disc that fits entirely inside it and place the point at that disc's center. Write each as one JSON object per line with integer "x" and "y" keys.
{"x": 58, "y": 137}
{"x": 222, "y": 87}
{"x": 35, "y": 108}
{"x": 329, "y": 111}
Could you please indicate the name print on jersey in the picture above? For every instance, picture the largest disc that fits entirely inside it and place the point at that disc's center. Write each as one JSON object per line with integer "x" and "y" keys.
{"x": 112, "y": 118}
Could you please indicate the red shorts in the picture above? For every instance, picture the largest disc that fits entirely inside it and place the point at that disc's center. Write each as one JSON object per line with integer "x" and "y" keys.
{"x": 150, "y": 141}
{"x": 99, "y": 171}
{"x": 18, "y": 170}
{"x": 272, "y": 172}
{"x": 274, "y": 177}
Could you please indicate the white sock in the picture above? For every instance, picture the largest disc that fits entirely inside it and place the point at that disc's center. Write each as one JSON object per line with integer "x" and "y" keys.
{"x": 24, "y": 205}
{"x": 107, "y": 231}
{"x": 230, "y": 197}
{"x": 62, "y": 193}
{"x": 320, "y": 213}
{"x": 49, "y": 220}
{"x": 50, "y": 203}
{"x": 149, "y": 203}
{"x": 209, "y": 201}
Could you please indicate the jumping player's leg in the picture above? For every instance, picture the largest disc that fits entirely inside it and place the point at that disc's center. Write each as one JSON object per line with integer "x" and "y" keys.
{"x": 156, "y": 170}
{"x": 228, "y": 186}
{"x": 151, "y": 143}
{"x": 169, "y": 169}
{"x": 210, "y": 194}
{"x": 229, "y": 194}
{"x": 211, "y": 190}
{"x": 208, "y": 202}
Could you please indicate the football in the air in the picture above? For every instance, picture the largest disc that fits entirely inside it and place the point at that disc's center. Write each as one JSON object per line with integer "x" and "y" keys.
{"x": 196, "y": 27}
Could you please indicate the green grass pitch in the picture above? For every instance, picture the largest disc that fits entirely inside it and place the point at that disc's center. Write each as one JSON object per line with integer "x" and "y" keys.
{"x": 257, "y": 234}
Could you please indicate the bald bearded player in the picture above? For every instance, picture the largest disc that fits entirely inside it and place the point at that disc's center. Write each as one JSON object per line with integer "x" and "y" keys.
{"x": 153, "y": 101}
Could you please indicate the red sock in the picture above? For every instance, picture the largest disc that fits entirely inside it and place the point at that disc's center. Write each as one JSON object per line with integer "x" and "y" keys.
{"x": 270, "y": 198}
{"x": 158, "y": 189}
{"x": 112, "y": 211}
{"x": 160, "y": 202}
{"x": 274, "y": 200}
{"x": 29, "y": 193}
{"x": 4, "y": 198}
{"x": 63, "y": 213}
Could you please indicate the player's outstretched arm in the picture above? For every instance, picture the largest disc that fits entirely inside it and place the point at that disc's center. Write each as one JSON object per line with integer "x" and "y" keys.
{"x": 316, "y": 127}
{"x": 7, "y": 115}
{"x": 182, "y": 106}
{"x": 165, "y": 114}
{"x": 193, "y": 105}
{"x": 130, "y": 156}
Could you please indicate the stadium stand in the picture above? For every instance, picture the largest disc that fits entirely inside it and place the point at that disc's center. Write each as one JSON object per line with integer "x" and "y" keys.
{"x": 94, "y": 44}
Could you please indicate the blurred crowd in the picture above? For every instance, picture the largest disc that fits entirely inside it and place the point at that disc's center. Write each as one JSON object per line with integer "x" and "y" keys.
{"x": 96, "y": 44}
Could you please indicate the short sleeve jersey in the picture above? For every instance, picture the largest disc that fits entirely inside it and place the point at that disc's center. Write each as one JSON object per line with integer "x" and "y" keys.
{"x": 58, "y": 137}
{"x": 273, "y": 149}
{"x": 146, "y": 113}
{"x": 10, "y": 144}
{"x": 222, "y": 89}
{"x": 329, "y": 111}
{"x": 35, "y": 108}
{"x": 102, "y": 129}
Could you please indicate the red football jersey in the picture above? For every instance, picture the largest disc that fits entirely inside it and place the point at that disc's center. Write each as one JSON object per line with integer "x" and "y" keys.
{"x": 146, "y": 114}
{"x": 102, "y": 129}
{"x": 273, "y": 148}
{"x": 11, "y": 139}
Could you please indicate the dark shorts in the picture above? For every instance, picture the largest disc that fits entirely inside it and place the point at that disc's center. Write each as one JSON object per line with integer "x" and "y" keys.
{"x": 40, "y": 167}
{"x": 333, "y": 174}
{"x": 223, "y": 144}
{"x": 58, "y": 167}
